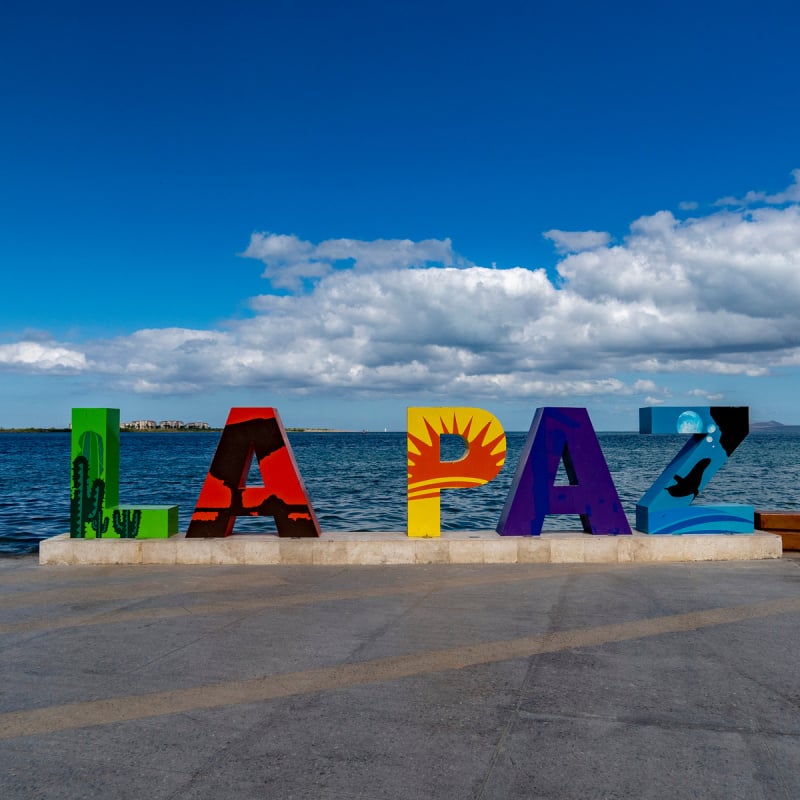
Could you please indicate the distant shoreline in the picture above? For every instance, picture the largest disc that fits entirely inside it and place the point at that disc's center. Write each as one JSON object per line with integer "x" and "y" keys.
{"x": 756, "y": 429}
{"x": 173, "y": 430}
{"x": 321, "y": 430}
{"x": 122, "y": 430}
{"x": 34, "y": 430}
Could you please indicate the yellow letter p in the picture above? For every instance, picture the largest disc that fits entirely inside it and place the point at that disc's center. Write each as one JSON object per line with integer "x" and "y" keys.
{"x": 485, "y": 441}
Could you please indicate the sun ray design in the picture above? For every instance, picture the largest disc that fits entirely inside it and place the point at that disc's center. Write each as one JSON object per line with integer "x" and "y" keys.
{"x": 483, "y": 459}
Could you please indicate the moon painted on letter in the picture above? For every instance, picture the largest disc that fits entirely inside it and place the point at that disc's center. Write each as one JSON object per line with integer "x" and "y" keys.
{"x": 690, "y": 422}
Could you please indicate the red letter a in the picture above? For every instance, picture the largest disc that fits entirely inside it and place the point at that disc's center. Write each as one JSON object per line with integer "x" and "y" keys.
{"x": 225, "y": 495}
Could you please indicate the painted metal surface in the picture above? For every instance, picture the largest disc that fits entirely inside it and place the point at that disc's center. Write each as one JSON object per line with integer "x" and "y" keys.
{"x": 95, "y": 510}
{"x": 562, "y": 435}
{"x": 225, "y": 496}
{"x": 715, "y": 431}
{"x": 484, "y": 456}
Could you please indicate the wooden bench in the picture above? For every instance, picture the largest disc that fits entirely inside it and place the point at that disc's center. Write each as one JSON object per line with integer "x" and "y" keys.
{"x": 785, "y": 523}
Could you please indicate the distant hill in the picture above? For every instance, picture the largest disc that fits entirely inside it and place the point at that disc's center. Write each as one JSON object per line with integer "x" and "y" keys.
{"x": 772, "y": 426}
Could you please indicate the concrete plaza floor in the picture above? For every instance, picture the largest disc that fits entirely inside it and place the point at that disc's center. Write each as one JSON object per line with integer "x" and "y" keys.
{"x": 656, "y": 680}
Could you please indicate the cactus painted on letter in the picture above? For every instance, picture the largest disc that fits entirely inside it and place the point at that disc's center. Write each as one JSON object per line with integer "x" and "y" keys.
{"x": 126, "y": 522}
{"x": 86, "y": 505}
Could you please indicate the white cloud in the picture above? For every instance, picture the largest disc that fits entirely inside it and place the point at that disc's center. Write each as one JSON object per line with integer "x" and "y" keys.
{"x": 745, "y": 264}
{"x": 790, "y": 195}
{"x": 716, "y": 294}
{"x": 688, "y": 205}
{"x": 710, "y": 397}
{"x": 290, "y": 260}
{"x": 742, "y": 364}
{"x": 577, "y": 241}
{"x": 36, "y": 356}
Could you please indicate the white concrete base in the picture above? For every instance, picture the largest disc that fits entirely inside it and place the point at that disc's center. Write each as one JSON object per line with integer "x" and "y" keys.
{"x": 460, "y": 547}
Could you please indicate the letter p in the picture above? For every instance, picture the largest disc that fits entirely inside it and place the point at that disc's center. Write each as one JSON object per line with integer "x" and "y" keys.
{"x": 485, "y": 455}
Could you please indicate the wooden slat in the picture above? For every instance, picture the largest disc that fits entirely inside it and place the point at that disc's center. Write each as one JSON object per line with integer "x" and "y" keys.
{"x": 777, "y": 521}
{"x": 791, "y": 539}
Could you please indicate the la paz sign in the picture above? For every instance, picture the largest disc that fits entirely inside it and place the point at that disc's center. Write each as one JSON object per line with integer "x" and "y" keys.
{"x": 556, "y": 436}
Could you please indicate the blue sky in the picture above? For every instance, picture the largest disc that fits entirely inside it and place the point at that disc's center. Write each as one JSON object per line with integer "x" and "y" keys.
{"x": 345, "y": 209}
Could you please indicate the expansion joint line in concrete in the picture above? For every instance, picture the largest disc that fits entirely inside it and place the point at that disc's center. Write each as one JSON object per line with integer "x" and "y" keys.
{"x": 41, "y": 721}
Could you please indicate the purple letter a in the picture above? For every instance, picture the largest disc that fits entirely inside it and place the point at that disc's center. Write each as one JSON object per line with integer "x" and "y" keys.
{"x": 556, "y": 434}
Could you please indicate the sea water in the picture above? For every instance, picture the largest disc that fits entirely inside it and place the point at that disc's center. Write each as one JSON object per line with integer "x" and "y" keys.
{"x": 357, "y": 481}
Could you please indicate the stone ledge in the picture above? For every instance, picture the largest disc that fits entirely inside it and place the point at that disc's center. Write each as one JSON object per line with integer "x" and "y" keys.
{"x": 460, "y": 547}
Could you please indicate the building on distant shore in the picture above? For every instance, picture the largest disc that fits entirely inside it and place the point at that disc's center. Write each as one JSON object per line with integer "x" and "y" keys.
{"x": 164, "y": 425}
{"x": 139, "y": 425}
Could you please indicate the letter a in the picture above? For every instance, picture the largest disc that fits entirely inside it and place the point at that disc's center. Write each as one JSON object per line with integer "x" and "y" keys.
{"x": 556, "y": 434}
{"x": 224, "y": 496}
